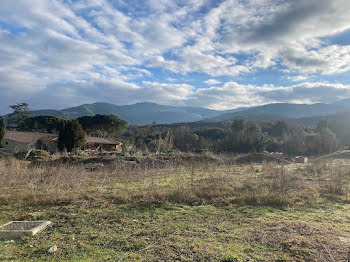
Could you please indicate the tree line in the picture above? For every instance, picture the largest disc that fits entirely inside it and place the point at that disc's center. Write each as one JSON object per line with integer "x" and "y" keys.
{"x": 239, "y": 136}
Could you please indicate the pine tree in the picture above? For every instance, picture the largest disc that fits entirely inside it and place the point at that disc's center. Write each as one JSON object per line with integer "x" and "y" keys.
{"x": 19, "y": 114}
{"x": 71, "y": 136}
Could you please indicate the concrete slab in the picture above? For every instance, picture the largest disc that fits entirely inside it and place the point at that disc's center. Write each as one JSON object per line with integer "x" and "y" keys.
{"x": 16, "y": 229}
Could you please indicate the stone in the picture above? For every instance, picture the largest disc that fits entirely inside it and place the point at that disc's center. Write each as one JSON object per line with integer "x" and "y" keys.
{"x": 53, "y": 249}
{"x": 301, "y": 160}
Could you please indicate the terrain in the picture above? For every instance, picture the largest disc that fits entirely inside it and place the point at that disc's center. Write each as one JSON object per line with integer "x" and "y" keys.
{"x": 182, "y": 207}
{"x": 147, "y": 113}
{"x": 140, "y": 113}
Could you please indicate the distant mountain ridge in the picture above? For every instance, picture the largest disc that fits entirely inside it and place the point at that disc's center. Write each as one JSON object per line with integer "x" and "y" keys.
{"x": 284, "y": 110}
{"x": 147, "y": 113}
{"x": 139, "y": 114}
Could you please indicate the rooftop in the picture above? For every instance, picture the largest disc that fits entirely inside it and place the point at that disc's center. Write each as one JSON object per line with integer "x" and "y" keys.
{"x": 33, "y": 137}
{"x": 100, "y": 140}
{"x": 26, "y": 137}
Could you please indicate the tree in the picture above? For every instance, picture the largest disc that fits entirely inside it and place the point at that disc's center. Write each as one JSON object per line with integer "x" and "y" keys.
{"x": 279, "y": 128}
{"x": 164, "y": 142}
{"x": 238, "y": 126}
{"x": 19, "y": 114}
{"x": 327, "y": 141}
{"x": 71, "y": 136}
{"x": 2, "y": 131}
{"x": 103, "y": 125}
{"x": 294, "y": 143}
{"x": 322, "y": 125}
{"x": 244, "y": 137}
{"x": 254, "y": 138}
{"x": 185, "y": 140}
{"x": 48, "y": 124}
{"x": 214, "y": 134}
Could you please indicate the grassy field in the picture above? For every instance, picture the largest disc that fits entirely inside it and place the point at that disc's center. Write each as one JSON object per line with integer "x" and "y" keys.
{"x": 196, "y": 209}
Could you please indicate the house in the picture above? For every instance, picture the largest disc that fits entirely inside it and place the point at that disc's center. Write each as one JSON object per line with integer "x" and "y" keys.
{"x": 103, "y": 144}
{"x": 16, "y": 141}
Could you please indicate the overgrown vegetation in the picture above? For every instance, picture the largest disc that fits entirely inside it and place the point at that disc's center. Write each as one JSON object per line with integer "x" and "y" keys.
{"x": 237, "y": 137}
{"x": 183, "y": 179}
{"x": 2, "y": 131}
{"x": 187, "y": 207}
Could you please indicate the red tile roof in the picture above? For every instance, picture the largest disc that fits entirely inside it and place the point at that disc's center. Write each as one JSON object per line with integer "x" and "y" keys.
{"x": 26, "y": 137}
{"x": 100, "y": 140}
{"x": 33, "y": 137}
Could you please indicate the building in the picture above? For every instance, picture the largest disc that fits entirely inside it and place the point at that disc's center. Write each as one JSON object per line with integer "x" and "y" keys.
{"x": 17, "y": 141}
{"x": 103, "y": 144}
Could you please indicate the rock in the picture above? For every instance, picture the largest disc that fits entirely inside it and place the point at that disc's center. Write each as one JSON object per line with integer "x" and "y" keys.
{"x": 53, "y": 249}
{"x": 301, "y": 159}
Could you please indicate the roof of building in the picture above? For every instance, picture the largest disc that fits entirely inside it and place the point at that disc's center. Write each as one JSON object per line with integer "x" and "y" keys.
{"x": 26, "y": 137}
{"x": 33, "y": 137}
{"x": 101, "y": 140}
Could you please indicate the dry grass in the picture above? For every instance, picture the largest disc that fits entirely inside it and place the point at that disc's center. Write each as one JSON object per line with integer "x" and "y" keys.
{"x": 190, "y": 182}
{"x": 188, "y": 209}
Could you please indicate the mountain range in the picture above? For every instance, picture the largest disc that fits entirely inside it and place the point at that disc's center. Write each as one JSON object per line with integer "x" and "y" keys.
{"x": 147, "y": 113}
{"x": 138, "y": 114}
{"x": 279, "y": 111}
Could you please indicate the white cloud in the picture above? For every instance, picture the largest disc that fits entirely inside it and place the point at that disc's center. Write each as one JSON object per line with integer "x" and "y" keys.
{"x": 92, "y": 50}
{"x": 212, "y": 82}
{"x": 327, "y": 60}
{"x": 309, "y": 91}
{"x": 192, "y": 60}
{"x": 225, "y": 96}
{"x": 298, "y": 78}
{"x": 289, "y": 32}
{"x": 112, "y": 91}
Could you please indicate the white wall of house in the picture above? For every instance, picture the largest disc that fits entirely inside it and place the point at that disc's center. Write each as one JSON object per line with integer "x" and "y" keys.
{"x": 14, "y": 146}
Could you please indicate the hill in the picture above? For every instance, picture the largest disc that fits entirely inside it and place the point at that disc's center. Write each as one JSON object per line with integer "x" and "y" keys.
{"x": 283, "y": 111}
{"x": 147, "y": 113}
{"x": 139, "y": 114}
{"x": 344, "y": 102}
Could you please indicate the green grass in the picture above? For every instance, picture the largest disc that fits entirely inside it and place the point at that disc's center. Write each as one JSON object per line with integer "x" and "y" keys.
{"x": 170, "y": 232}
{"x": 212, "y": 213}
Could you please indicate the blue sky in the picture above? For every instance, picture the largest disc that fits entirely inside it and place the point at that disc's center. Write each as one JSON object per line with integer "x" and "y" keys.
{"x": 216, "y": 54}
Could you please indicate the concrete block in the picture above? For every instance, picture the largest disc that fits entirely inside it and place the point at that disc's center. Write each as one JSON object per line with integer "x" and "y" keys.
{"x": 17, "y": 229}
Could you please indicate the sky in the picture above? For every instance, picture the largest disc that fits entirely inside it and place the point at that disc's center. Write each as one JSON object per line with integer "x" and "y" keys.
{"x": 218, "y": 54}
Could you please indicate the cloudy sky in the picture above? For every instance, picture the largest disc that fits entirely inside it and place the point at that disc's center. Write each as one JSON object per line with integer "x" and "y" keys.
{"x": 219, "y": 54}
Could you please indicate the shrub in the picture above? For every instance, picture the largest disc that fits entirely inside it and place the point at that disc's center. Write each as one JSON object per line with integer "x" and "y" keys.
{"x": 2, "y": 131}
{"x": 38, "y": 155}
